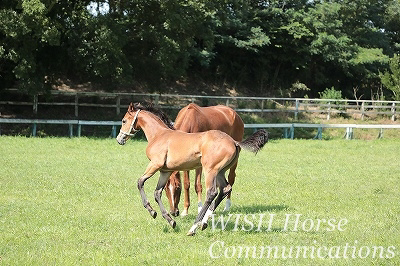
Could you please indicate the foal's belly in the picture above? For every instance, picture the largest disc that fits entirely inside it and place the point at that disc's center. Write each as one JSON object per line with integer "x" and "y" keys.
{"x": 182, "y": 163}
{"x": 182, "y": 167}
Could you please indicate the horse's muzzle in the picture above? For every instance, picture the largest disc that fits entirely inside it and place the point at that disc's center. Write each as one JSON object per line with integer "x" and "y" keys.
{"x": 121, "y": 139}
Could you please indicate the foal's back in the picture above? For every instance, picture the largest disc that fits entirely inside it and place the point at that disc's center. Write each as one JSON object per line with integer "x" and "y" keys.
{"x": 187, "y": 151}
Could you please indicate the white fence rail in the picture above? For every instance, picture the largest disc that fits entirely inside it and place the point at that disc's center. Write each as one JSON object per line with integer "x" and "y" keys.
{"x": 240, "y": 104}
{"x": 289, "y": 128}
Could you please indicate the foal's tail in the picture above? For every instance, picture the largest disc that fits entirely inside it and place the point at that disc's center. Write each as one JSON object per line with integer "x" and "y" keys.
{"x": 255, "y": 142}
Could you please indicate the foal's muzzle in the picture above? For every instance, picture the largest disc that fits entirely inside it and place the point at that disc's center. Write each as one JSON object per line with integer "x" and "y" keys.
{"x": 121, "y": 138}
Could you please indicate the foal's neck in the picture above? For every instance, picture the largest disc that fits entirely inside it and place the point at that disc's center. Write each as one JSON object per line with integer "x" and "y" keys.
{"x": 151, "y": 125}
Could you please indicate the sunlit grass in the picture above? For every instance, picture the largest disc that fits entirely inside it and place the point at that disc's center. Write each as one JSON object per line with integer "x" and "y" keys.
{"x": 75, "y": 201}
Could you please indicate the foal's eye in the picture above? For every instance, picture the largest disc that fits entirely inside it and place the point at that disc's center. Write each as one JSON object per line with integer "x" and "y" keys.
{"x": 123, "y": 121}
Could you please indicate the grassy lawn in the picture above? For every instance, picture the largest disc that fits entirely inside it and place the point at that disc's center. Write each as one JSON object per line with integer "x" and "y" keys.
{"x": 74, "y": 201}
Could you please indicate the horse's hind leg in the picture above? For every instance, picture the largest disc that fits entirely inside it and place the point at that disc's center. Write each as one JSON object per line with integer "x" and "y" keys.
{"x": 199, "y": 189}
{"x": 164, "y": 176}
{"x": 224, "y": 189}
{"x": 211, "y": 187}
{"x": 186, "y": 186}
{"x": 231, "y": 180}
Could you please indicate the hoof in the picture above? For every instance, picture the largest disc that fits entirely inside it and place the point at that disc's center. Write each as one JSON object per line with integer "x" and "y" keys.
{"x": 192, "y": 230}
{"x": 227, "y": 205}
{"x": 184, "y": 213}
{"x": 172, "y": 223}
{"x": 204, "y": 226}
{"x": 190, "y": 233}
{"x": 175, "y": 214}
{"x": 153, "y": 214}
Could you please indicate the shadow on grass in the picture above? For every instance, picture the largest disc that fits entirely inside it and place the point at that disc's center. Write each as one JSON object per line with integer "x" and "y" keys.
{"x": 230, "y": 223}
{"x": 257, "y": 208}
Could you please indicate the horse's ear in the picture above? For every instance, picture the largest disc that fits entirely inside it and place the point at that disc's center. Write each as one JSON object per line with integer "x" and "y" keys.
{"x": 131, "y": 107}
{"x": 138, "y": 106}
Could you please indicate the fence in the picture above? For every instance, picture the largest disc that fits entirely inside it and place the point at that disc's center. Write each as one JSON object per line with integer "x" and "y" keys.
{"x": 240, "y": 104}
{"x": 289, "y": 128}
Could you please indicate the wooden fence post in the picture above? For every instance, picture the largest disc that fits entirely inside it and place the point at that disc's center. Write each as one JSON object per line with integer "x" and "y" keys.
{"x": 76, "y": 105}
{"x": 262, "y": 106}
{"x": 319, "y": 133}
{"x": 349, "y": 133}
{"x": 393, "y": 111}
{"x": 70, "y": 130}
{"x": 380, "y": 136}
{"x": 34, "y": 127}
{"x": 285, "y": 133}
{"x": 78, "y": 133}
{"x": 35, "y": 103}
{"x": 297, "y": 109}
{"x": 329, "y": 111}
{"x": 118, "y": 104}
{"x": 362, "y": 110}
{"x": 292, "y": 132}
{"x": 114, "y": 131}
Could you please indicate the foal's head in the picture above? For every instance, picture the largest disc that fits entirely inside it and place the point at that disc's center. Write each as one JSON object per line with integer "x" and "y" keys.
{"x": 129, "y": 122}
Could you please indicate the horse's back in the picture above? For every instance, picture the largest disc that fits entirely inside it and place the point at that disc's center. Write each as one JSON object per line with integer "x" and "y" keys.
{"x": 194, "y": 118}
{"x": 186, "y": 151}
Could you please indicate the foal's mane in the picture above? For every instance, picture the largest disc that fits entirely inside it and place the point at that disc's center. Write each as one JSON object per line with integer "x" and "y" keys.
{"x": 160, "y": 114}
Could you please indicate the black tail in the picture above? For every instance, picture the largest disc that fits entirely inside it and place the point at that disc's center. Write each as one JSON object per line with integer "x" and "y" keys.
{"x": 255, "y": 142}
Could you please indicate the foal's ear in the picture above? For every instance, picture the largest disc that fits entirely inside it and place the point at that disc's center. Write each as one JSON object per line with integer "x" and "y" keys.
{"x": 131, "y": 107}
{"x": 138, "y": 106}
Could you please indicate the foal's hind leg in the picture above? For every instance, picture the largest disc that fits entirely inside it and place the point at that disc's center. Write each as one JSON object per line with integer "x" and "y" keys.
{"x": 211, "y": 187}
{"x": 224, "y": 189}
{"x": 231, "y": 180}
{"x": 164, "y": 176}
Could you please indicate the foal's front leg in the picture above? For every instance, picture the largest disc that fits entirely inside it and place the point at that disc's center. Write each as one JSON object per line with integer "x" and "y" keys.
{"x": 164, "y": 176}
{"x": 150, "y": 171}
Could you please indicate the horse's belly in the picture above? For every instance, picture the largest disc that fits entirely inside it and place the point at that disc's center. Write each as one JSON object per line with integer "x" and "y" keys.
{"x": 180, "y": 164}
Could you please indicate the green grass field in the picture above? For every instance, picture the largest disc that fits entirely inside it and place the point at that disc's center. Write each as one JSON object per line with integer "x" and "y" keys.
{"x": 74, "y": 201}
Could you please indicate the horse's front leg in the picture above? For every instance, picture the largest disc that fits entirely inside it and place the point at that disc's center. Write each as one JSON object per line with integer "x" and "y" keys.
{"x": 164, "y": 176}
{"x": 150, "y": 171}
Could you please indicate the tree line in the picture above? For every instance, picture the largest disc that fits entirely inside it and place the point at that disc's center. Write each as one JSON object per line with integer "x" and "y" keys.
{"x": 273, "y": 48}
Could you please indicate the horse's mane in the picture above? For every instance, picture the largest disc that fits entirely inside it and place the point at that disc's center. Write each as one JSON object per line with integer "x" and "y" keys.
{"x": 160, "y": 114}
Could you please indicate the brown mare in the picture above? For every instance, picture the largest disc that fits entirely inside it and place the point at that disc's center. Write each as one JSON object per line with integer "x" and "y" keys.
{"x": 172, "y": 150}
{"x": 193, "y": 118}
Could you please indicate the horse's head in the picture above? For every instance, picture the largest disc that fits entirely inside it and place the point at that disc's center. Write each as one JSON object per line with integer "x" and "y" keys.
{"x": 129, "y": 127}
{"x": 173, "y": 192}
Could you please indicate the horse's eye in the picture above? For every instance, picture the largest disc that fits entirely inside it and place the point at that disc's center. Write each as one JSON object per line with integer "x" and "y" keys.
{"x": 123, "y": 121}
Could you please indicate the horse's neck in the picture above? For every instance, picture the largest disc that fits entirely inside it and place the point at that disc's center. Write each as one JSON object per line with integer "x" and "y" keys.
{"x": 151, "y": 125}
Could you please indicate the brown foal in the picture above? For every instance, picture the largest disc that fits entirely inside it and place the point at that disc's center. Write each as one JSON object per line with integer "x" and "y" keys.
{"x": 193, "y": 118}
{"x": 172, "y": 150}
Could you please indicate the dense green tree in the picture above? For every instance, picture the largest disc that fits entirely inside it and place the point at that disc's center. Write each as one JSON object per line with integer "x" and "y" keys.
{"x": 265, "y": 47}
{"x": 391, "y": 78}
{"x": 26, "y": 32}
